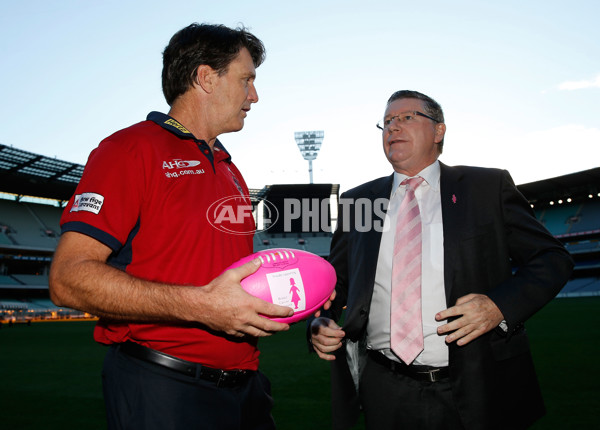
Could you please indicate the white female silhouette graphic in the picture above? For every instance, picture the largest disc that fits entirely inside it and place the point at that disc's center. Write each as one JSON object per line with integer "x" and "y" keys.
{"x": 294, "y": 291}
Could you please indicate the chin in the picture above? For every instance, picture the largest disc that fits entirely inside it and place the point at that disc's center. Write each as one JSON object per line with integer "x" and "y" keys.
{"x": 234, "y": 127}
{"x": 397, "y": 158}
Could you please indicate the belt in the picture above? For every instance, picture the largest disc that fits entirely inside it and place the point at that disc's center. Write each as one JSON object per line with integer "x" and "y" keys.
{"x": 222, "y": 378}
{"x": 420, "y": 373}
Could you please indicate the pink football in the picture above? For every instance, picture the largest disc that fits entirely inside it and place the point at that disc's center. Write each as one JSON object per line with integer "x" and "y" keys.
{"x": 290, "y": 277}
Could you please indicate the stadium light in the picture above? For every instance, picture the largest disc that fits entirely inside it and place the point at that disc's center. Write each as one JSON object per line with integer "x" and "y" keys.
{"x": 309, "y": 143}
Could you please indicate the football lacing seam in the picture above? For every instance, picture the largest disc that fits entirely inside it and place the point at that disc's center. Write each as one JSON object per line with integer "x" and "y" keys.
{"x": 288, "y": 254}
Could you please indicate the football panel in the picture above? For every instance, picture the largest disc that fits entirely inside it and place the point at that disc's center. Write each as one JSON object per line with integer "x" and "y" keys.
{"x": 289, "y": 277}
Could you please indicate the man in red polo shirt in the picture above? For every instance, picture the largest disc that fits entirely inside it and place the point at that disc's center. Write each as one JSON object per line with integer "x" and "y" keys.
{"x": 142, "y": 249}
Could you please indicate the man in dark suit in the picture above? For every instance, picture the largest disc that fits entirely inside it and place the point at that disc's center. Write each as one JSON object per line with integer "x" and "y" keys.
{"x": 484, "y": 266}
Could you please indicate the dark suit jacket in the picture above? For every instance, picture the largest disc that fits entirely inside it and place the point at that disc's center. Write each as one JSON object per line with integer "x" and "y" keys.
{"x": 489, "y": 229}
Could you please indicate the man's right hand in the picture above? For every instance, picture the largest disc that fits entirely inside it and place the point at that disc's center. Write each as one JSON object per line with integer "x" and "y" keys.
{"x": 230, "y": 309}
{"x": 326, "y": 337}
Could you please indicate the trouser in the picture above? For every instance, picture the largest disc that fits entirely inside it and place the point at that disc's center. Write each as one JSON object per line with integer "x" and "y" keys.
{"x": 393, "y": 401}
{"x": 144, "y": 396}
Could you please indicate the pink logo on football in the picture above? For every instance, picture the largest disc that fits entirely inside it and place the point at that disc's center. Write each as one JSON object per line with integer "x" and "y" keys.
{"x": 287, "y": 288}
{"x": 294, "y": 292}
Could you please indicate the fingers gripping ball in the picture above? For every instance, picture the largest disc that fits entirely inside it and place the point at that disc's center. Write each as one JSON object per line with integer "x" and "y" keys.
{"x": 290, "y": 277}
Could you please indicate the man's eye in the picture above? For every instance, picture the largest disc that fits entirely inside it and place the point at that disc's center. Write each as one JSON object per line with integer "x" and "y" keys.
{"x": 408, "y": 117}
{"x": 387, "y": 122}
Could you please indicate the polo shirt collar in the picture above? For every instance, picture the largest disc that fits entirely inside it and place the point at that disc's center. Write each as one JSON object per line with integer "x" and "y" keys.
{"x": 172, "y": 125}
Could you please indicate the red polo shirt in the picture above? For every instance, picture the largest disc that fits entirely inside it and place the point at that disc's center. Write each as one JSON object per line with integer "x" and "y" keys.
{"x": 172, "y": 211}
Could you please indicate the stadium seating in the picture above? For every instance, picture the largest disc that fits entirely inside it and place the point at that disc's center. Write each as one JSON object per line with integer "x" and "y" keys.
{"x": 29, "y": 225}
{"x": 317, "y": 243}
{"x": 581, "y": 247}
{"x": 588, "y": 218}
{"x": 555, "y": 219}
{"x": 581, "y": 287}
{"x": 571, "y": 218}
{"x": 8, "y": 280}
{"x": 33, "y": 280}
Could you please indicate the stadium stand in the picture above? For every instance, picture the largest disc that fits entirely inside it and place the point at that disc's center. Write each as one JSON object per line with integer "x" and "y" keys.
{"x": 29, "y": 225}
{"x": 569, "y": 207}
{"x": 35, "y": 188}
{"x": 33, "y": 191}
{"x": 309, "y": 218}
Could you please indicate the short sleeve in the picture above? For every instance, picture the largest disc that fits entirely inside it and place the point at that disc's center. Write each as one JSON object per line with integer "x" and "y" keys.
{"x": 106, "y": 204}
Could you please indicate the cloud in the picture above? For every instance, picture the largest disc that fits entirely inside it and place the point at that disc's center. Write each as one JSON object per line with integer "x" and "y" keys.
{"x": 578, "y": 85}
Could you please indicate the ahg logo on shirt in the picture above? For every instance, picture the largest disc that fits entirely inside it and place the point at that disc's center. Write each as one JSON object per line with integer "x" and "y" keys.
{"x": 179, "y": 164}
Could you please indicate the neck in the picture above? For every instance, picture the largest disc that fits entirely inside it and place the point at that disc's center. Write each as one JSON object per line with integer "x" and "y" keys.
{"x": 193, "y": 116}
{"x": 413, "y": 171}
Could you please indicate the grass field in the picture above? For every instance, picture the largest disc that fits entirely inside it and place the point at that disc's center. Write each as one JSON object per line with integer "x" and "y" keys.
{"x": 49, "y": 373}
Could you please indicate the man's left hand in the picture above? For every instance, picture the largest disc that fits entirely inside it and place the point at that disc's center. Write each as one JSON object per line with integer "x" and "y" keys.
{"x": 327, "y": 304}
{"x": 477, "y": 314}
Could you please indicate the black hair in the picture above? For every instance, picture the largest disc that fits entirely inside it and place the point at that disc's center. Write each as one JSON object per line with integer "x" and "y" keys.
{"x": 198, "y": 44}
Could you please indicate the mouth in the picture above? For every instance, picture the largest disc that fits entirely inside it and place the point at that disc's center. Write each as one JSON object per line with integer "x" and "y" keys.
{"x": 396, "y": 141}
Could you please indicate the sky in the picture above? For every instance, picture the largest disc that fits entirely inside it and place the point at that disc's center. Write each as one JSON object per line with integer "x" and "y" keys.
{"x": 519, "y": 81}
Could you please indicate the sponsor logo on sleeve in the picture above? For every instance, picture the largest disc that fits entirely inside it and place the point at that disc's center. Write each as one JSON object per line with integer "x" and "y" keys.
{"x": 89, "y": 202}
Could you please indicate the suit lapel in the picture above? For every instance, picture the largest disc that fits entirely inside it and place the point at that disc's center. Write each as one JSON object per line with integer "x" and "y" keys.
{"x": 380, "y": 190}
{"x": 365, "y": 252}
{"x": 451, "y": 197}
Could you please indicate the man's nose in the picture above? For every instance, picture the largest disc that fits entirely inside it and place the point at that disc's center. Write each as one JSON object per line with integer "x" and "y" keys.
{"x": 253, "y": 94}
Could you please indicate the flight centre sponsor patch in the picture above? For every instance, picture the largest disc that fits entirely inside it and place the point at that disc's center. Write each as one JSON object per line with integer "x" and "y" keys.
{"x": 90, "y": 202}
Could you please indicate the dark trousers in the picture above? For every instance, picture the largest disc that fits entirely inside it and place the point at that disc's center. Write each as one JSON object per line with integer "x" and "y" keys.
{"x": 392, "y": 401}
{"x": 146, "y": 396}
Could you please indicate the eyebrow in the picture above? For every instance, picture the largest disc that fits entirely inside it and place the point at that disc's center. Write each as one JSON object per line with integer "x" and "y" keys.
{"x": 398, "y": 114}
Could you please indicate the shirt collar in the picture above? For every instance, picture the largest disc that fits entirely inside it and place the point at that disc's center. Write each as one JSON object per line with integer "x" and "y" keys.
{"x": 431, "y": 175}
{"x": 172, "y": 125}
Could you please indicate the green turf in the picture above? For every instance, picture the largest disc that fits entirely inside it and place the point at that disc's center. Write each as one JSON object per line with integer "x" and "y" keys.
{"x": 565, "y": 340}
{"x": 50, "y": 376}
{"x": 50, "y": 373}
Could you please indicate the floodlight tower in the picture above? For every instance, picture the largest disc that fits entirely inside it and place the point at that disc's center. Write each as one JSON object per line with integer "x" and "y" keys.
{"x": 309, "y": 143}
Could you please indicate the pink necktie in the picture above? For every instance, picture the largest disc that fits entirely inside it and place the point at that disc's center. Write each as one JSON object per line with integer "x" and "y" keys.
{"x": 406, "y": 325}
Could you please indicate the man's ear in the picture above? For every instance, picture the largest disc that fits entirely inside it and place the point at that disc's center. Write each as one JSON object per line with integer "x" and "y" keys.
{"x": 205, "y": 78}
{"x": 440, "y": 131}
